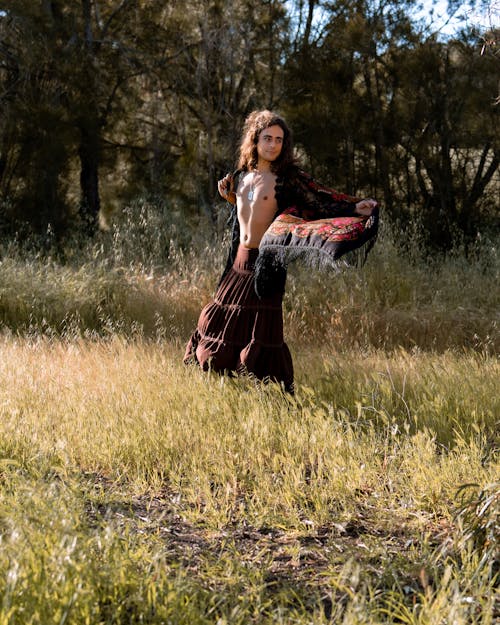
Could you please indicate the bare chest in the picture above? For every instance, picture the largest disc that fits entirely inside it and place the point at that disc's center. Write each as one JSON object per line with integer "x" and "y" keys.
{"x": 256, "y": 198}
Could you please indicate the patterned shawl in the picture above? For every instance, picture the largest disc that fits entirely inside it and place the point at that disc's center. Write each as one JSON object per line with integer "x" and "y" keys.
{"x": 314, "y": 223}
{"x": 317, "y": 224}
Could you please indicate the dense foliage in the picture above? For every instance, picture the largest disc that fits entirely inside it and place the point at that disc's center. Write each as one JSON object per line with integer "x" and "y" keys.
{"x": 137, "y": 490}
{"x": 103, "y": 102}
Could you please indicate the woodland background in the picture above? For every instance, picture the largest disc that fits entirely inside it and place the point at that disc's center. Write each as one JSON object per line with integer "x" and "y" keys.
{"x": 136, "y": 490}
{"x": 102, "y": 103}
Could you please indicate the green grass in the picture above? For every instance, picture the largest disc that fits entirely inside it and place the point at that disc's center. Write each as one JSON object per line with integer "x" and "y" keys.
{"x": 134, "y": 281}
{"x": 137, "y": 490}
{"x": 134, "y": 489}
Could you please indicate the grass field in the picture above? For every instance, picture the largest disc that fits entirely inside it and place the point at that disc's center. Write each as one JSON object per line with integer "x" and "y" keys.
{"x": 136, "y": 490}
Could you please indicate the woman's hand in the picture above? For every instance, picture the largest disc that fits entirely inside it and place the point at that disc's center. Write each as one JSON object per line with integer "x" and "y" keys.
{"x": 365, "y": 207}
{"x": 225, "y": 187}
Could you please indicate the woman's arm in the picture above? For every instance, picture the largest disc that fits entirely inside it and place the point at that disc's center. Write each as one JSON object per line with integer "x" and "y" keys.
{"x": 226, "y": 188}
{"x": 304, "y": 196}
{"x": 366, "y": 207}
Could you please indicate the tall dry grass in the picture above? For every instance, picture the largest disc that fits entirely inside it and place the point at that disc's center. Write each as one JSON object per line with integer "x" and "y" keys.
{"x": 148, "y": 276}
{"x": 135, "y": 489}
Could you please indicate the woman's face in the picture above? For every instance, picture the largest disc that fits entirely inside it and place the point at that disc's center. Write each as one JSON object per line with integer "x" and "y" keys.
{"x": 270, "y": 143}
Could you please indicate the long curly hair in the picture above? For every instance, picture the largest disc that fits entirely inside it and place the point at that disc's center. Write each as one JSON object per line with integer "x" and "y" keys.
{"x": 255, "y": 123}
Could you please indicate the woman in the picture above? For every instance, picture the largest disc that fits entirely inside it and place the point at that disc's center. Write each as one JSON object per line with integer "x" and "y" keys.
{"x": 279, "y": 213}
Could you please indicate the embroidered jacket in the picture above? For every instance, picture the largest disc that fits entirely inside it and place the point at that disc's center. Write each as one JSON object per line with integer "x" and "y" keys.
{"x": 312, "y": 221}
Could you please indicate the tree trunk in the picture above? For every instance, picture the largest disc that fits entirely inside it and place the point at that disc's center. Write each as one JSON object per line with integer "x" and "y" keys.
{"x": 89, "y": 175}
{"x": 89, "y": 150}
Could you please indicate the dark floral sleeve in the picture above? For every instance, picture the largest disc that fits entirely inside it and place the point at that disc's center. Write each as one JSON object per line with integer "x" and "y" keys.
{"x": 299, "y": 194}
{"x": 234, "y": 228}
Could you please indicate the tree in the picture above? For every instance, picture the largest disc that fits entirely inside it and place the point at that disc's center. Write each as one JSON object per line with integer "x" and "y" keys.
{"x": 67, "y": 68}
{"x": 106, "y": 101}
{"x": 36, "y": 130}
{"x": 381, "y": 109}
{"x": 451, "y": 135}
{"x": 229, "y": 64}
{"x": 342, "y": 88}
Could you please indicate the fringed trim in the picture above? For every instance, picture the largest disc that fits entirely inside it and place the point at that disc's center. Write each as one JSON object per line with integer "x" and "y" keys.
{"x": 313, "y": 257}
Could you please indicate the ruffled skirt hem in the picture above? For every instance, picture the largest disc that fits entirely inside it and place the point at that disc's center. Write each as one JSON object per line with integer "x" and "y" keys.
{"x": 238, "y": 333}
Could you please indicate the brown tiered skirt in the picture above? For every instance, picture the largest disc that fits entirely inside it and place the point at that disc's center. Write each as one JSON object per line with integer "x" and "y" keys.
{"x": 238, "y": 332}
